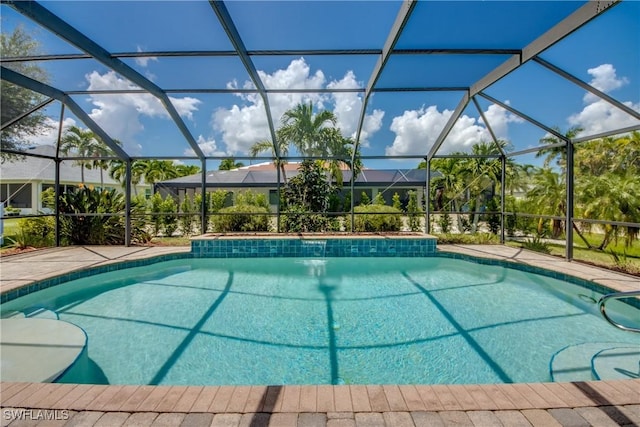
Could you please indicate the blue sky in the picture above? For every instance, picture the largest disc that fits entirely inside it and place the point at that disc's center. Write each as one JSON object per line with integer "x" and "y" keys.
{"x": 606, "y": 53}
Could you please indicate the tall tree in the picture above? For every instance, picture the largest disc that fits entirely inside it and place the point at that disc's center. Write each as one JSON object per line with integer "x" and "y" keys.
{"x": 607, "y": 183}
{"x": 101, "y": 150}
{"x": 118, "y": 171}
{"x": 266, "y": 145}
{"x": 186, "y": 170}
{"x": 559, "y": 154}
{"x": 229, "y": 164}
{"x": 156, "y": 170}
{"x": 341, "y": 150}
{"x": 548, "y": 192}
{"x": 81, "y": 143}
{"x": 16, "y": 100}
{"x": 308, "y": 132}
{"x": 481, "y": 174}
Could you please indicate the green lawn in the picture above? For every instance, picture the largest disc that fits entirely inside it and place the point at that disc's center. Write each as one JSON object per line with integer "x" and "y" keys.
{"x": 628, "y": 258}
{"x": 10, "y": 226}
{"x": 171, "y": 241}
{"x": 10, "y": 229}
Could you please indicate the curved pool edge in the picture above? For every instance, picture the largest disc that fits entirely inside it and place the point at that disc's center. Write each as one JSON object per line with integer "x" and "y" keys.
{"x": 369, "y": 400}
{"x": 589, "y": 277}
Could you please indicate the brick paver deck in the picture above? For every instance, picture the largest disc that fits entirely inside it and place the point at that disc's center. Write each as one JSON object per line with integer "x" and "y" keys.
{"x": 598, "y": 403}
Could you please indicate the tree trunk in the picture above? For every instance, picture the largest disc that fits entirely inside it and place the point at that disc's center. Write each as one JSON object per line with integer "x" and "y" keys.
{"x": 458, "y": 217}
{"x": 575, "y": 227}
{"x": 476, "y": 216}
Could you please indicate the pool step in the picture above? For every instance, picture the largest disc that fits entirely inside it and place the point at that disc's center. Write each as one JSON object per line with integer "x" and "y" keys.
{"x": 619, "y": 363}
{"x": 41, "y": 313}
{"x": 595, "y": 361}
{"x": 12, "y": 314}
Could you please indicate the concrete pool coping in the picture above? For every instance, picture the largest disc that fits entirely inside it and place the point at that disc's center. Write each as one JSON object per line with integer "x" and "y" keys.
{"x": 596, "y": 402}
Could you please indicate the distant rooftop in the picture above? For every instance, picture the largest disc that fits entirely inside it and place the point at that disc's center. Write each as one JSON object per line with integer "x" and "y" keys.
{"x": 247, "y": 177}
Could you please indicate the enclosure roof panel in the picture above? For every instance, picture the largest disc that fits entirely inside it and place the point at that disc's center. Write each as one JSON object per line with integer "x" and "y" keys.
{"x": 211, "y": 79}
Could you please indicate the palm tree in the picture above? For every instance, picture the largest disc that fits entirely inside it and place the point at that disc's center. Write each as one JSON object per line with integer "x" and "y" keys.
{"x": 341, "y": 148}
{"x": 101, "y": 150}
{"x": 554, "y": 152}
{"x": 81, "y": 143}
{"x": 229, "y": 164}
{"x": 186, "y": 170}
{"x": 449, "y": 185}
{"x": 548, "y": 193}
{"x": 306, "y": 131}
{"x": 118, "y": 170}
{"x": 482, "y": 174}
{"x": 266, "y": 145}
{"x": 159, "y": 170}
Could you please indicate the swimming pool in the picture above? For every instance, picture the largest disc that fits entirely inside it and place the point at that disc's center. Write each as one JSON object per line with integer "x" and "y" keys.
{"x": 325, "y": 320}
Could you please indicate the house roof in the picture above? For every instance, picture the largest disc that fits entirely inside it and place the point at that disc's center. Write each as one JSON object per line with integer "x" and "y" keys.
{"x": 246, "y": 177}
{"x": 29, "y": 168}
{"x": 289, "y": 166}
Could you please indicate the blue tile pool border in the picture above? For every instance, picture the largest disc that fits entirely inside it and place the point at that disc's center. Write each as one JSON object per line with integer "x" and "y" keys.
{"x": 306, "y": 247}
{"x": 363, "y": 246}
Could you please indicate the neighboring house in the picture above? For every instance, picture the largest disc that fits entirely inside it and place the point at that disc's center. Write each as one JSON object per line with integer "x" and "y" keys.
{"x": 263, "y": 178}
{"x": 23, "y": 180}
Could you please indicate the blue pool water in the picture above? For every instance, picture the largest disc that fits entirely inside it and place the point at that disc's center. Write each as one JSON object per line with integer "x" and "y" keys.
{"x": 323, "y": 321}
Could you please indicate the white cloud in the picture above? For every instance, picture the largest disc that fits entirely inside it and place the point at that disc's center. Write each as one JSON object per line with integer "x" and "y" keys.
{"x": 120, "y": 115}
{"x": 599, "y": 115}
{"x": 499, "y": 120}
{"x": 49, "y": 135}
{"x": 604, "y": 79}
{"x": 417, "y": 130}
{"x": 348, "y": 106}
{"x": 185, "y": 106}
{"x": 144, "y": 60}
{"x": 208, "y": 147}
{"x": 242, "y": 126}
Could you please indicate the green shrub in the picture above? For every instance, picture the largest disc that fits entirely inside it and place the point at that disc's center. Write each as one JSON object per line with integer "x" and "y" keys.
{"x": 465, "y": 223}
{"x": 538, "y": 244}
{"x": 248, "y": 197}
{"x": 48, "y": 198}
{"x": 467, "y": 239}
{"x": 364, "y": 199}
{"x": 493, "y": 219}
{"x": 139, "y": 220}
{"x": 379, "y": 199}
{"x": 346, "y": 206}
{"x": 11, "y": 211}
{"x": 241, "y": 218}
{"x": 445, "y": 223}
{"x": 197, "y": 209}
{"x": 92, "y": 217}
{"x": 380, "y": 218}
{"x": 36, "y": 232}
{"x": 310, "y": 188}
{"x": 187, "y": 218}
{"x": 396, "y": 201}
{"x": 414, "y": 211}
{"x": 156, "y": 210}
{"x": 298, "y": 220}
{"x": 168, "y": 208}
